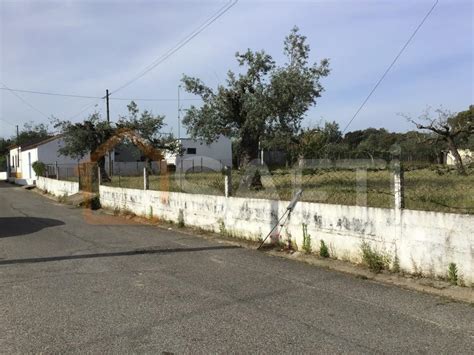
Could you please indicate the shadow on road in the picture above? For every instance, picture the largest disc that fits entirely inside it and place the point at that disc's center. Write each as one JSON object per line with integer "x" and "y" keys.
{"x": 107, "y": 255}
{"x": 5, "y": 184}
{"x": 14, "y": 226}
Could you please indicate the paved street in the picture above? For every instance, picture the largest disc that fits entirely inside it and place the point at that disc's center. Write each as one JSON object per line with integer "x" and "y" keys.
{"x": 70, "y": 286}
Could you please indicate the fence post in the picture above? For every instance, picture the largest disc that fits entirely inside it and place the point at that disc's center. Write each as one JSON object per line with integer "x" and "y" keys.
{"x": 56, "y": 167}
{"x": 398, "y": 186}
{"x": 119, "y": 182}
{"x": 227, "y": 181}
{"x": 181, "y": 176}
{"x": 146, "y": 182}
{"x": 99, "y": 176}
{"x": 201, "y": 164}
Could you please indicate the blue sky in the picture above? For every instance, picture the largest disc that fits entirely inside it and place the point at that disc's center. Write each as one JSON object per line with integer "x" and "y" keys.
{"x": 84, "y": 47}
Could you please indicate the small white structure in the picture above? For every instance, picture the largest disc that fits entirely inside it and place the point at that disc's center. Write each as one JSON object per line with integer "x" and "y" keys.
{"x": 21, "y": 159}
{"x": 467, "y": 157}
{"x": 197, "y": 155}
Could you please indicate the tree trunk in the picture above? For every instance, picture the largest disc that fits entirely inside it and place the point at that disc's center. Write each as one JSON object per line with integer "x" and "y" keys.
{"x": 249, "y": 148}
{"x": 457, "y": 158}
{"x": 103, "y": 171}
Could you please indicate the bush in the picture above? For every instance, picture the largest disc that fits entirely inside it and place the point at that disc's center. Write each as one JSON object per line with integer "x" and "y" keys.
{"x": 323, "y": 250}
{"x": 306, "y": 239}
{"x": 453, "y": 273}
{"x": 373, "y": 259}
{"x": 94, "y": 203}
{"x": 39, "y": 168}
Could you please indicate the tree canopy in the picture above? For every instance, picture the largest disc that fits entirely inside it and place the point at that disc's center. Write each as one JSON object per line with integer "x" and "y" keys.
{"x": 262, "y": 103}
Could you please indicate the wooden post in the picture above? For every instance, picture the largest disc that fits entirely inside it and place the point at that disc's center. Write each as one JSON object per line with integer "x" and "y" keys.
{"x": 56, "y": 167}
{"x": 99, "y": 176}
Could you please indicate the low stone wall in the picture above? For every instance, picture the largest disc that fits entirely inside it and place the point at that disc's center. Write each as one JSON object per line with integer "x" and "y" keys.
{"x": 421, "y": 242}
{"x": 57, "y": 187}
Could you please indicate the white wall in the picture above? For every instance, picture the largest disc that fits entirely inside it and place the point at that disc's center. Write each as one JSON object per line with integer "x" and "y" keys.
{"x": 13, "y": 160}
{"x": 27, "y": 172}
{"x": 467, "y": 157}
{"x": 48, "y": 153}
{"x": 3, "y": 175}
{"x": 57, "y": 187}
{"x": 213, "y": 156}
{"x": 423, "y": 241}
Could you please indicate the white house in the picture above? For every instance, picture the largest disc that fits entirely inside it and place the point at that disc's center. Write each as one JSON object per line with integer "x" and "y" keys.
{"x": 467, "y": 157}
{"x": 197, "y": 155}
{"x": 21, "y": 159}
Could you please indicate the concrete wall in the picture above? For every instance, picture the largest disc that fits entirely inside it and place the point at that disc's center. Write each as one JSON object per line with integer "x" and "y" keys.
{"x": 423, "y": 242}
{"x": 213, "y": 156}
{"x": 3, "y": 175}
{"x": 57, "y": 187}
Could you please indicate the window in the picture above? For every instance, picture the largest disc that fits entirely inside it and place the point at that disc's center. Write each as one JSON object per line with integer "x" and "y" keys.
{"x": 191, "y": 151}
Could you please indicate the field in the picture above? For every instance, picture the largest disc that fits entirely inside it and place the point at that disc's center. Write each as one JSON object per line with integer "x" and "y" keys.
{"x": 432, "y": 189}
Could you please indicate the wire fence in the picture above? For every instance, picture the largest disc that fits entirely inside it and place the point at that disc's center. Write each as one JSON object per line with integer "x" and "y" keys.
{"x": 432, "y": 188}
{"x": 68, "y": 172}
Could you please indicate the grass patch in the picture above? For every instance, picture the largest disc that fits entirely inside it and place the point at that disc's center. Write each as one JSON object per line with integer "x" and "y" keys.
{"x": 432, "y": 188}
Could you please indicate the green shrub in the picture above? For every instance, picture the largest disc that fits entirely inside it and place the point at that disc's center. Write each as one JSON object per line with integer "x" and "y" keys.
{"x": 323, "y": 249}
{"x": 453, "y": 276}
{"x": 39, "y": 168}
{"x": 306, "y": 239}
{"x": 373, "y": 259}
{"x": 94, "y": 204}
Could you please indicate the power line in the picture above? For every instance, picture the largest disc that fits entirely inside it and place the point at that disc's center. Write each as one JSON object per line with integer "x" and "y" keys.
{"x": 180, "y": 44}
{"x": 50, "y": 93}
{"x": 25, "y": 102}
{"x": 5, "y": 121}
{"x": 390, "y": 66}
{"x": 91, "y": 97}
{"x": 133, "y": 99}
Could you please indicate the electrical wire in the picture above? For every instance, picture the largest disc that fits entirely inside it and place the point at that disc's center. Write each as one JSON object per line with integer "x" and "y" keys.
{"x": 179, "y": 45}
{"x": 93, "y": 97}
{"x": 25, "y": 102}
{"x": 390, "y": 66}
{"x": 49, "y": 93}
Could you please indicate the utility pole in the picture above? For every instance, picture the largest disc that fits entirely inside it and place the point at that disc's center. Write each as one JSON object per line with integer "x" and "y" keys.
{"x": 108, "y": 121}
{"x": 17, "y": 136}
{"x": 179, "y": 114}
{"x": 107, "y": 101}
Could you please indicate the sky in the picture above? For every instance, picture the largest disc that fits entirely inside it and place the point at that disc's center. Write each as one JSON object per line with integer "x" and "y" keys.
{"x": 85, "y": 47}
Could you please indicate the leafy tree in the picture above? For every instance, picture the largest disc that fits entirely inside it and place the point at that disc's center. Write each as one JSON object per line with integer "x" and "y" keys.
{"x": 260, "y": 104}
{"x": 88, "y": 136}
{"x": 319, "y": 142}
{"x": 465, "y": 139}
{"x": 4, "y": 144}
{"x": 85, "y": 137}
{"x": 449, "y": 128}
{"x": 31, "y": 133}
{"x": 148, "y": 127}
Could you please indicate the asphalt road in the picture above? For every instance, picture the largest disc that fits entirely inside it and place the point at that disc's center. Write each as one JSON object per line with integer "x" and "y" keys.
{"x": 70, "y": 286}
